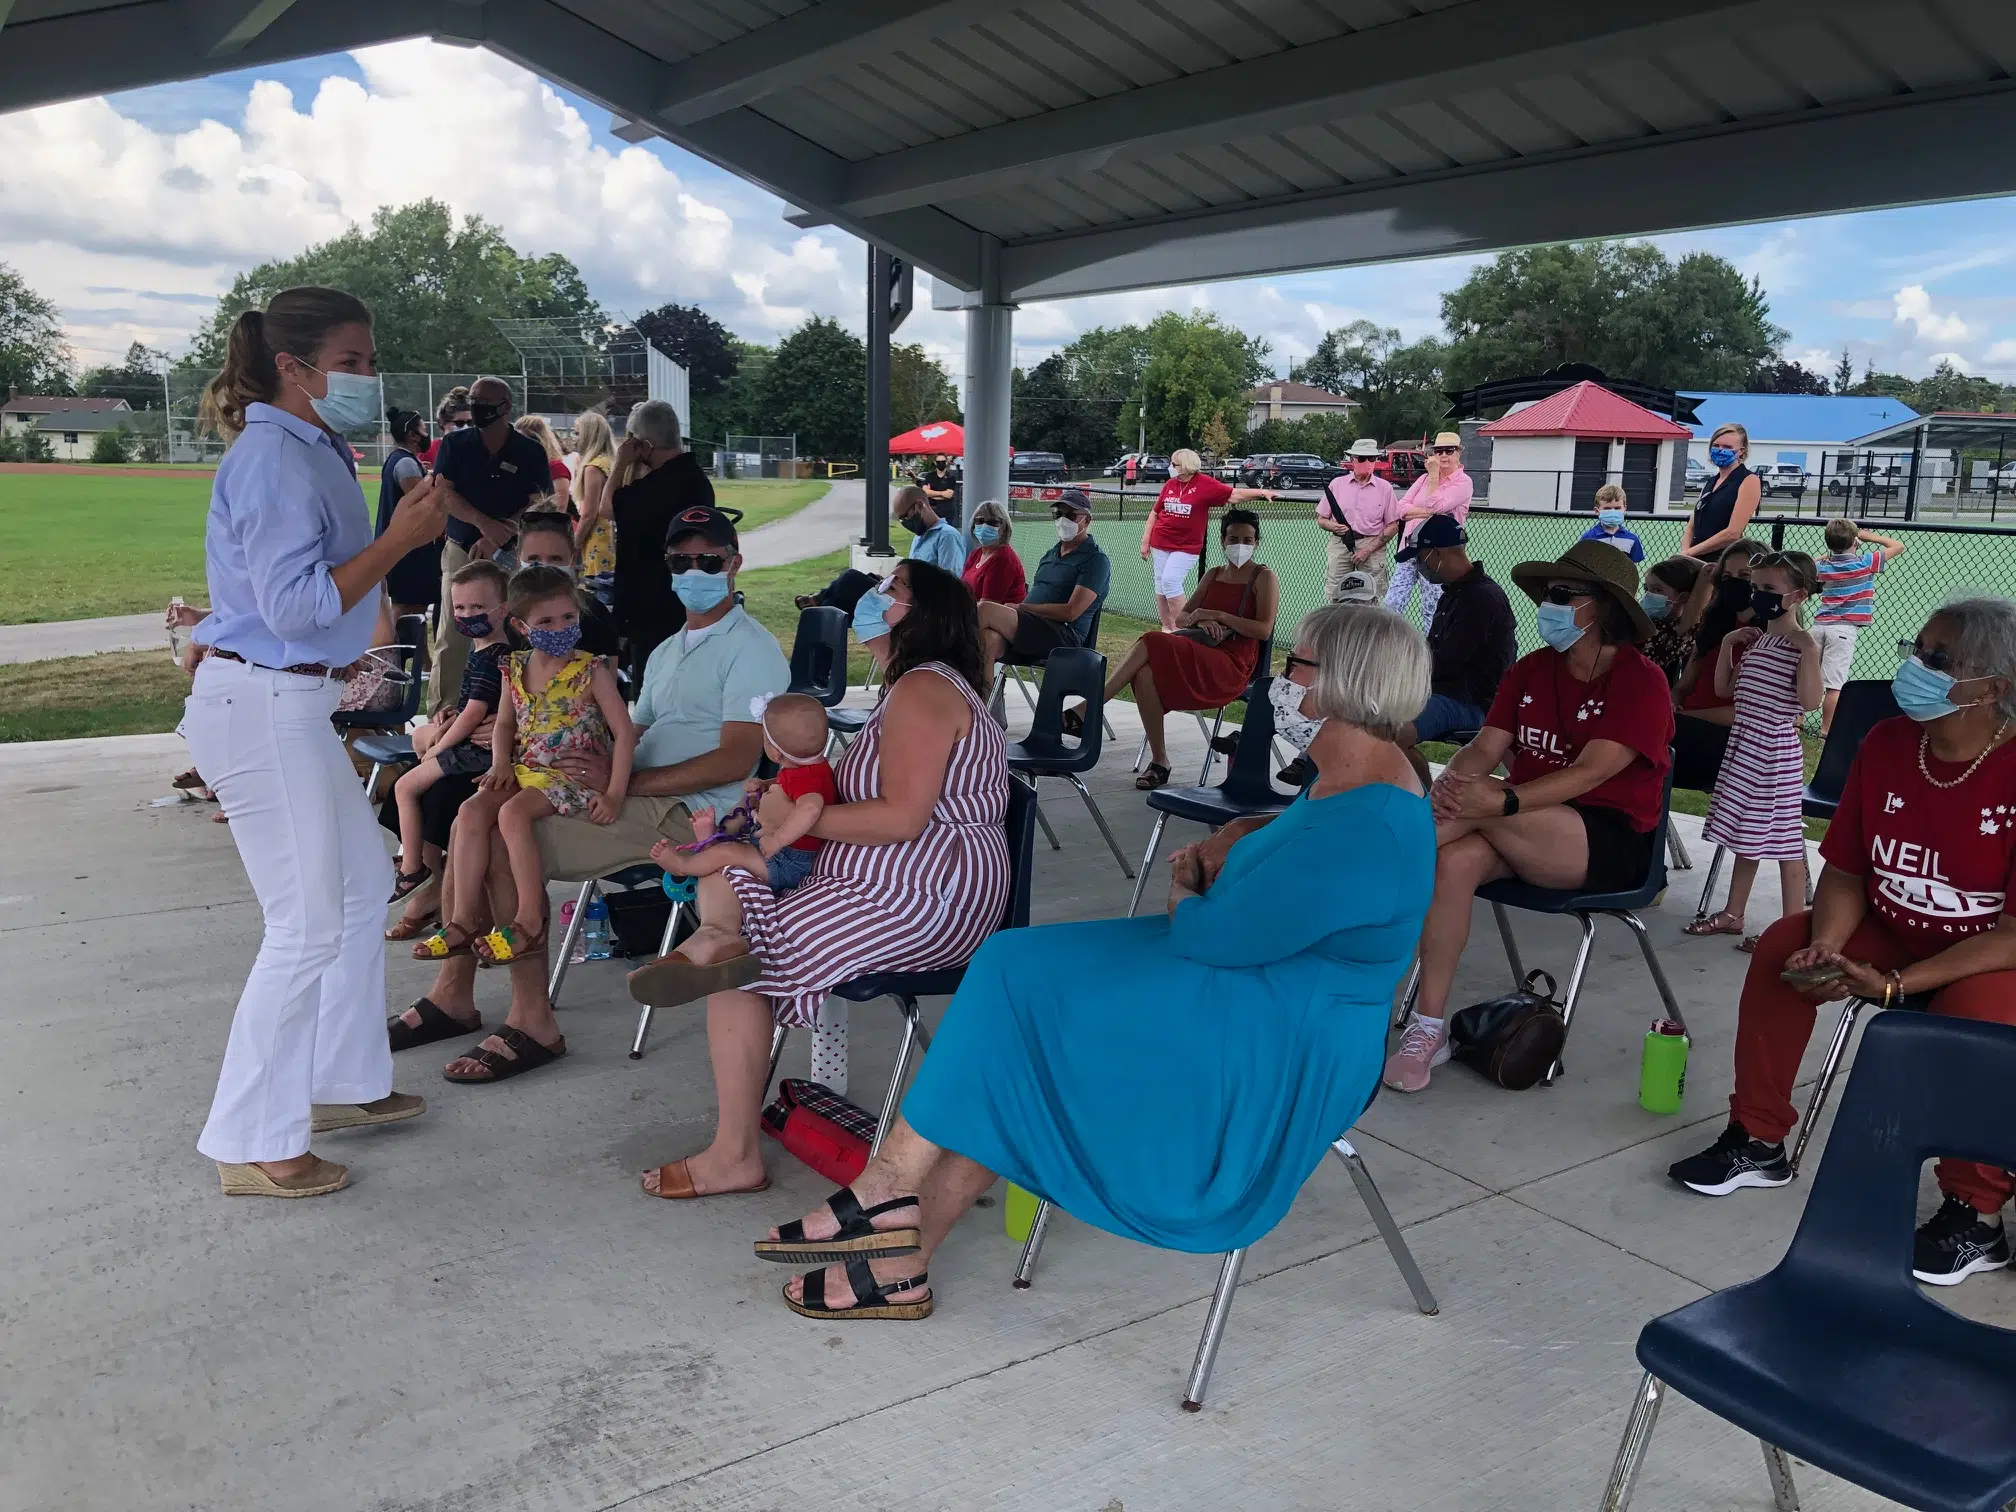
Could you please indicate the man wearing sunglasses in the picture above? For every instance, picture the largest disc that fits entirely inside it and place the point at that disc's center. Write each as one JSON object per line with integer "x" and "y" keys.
{"x": 1444, "y": 489}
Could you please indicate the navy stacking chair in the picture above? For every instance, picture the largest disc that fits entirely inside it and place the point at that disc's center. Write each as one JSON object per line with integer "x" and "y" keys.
{"x": 1011, "y": 668}
{"x": 1835, "y": 1356}
{"x": 819, "y": 655}
{"x": 1069, "y": 672}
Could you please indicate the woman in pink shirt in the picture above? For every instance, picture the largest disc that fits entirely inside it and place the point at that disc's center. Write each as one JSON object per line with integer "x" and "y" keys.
{"x": 1443, "y": 489}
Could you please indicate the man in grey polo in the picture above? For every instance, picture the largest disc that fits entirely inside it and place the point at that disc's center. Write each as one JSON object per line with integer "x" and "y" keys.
{"x": 698, "y": 742}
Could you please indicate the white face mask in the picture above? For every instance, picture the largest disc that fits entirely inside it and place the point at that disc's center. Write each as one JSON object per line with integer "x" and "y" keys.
{"x": 1290, "y": 723}
{"x": 1067, "y": 528}
{"x": 1239, "y": 554}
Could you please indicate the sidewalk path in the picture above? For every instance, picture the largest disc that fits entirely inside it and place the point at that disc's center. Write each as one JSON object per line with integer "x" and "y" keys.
{"x": 826, "y": 524}
{"x": 123, "y": 632}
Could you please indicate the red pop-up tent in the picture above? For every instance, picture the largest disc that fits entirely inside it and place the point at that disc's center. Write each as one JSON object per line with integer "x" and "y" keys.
{"x": 940, "y": 437}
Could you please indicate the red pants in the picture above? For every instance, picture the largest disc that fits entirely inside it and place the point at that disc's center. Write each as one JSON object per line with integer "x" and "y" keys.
{"x": 1775, "y": 1022}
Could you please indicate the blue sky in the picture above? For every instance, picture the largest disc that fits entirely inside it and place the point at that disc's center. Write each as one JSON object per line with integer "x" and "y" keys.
{"x": 190, "y": 183}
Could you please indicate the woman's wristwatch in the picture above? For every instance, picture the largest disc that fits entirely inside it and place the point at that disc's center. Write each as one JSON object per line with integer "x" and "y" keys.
{"x": 1511, "y": 800}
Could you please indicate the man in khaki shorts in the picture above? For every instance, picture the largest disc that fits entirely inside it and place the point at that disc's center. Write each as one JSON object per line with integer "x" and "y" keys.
{"x": 698, "y": 741}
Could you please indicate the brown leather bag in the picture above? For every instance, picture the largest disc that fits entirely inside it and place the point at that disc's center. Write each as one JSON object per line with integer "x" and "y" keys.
{"x": 1511, "y": 1040}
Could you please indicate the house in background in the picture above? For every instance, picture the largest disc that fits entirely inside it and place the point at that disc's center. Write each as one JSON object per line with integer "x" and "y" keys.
{"x": 23, "y": 412}
{"x": 1556, "y": 452}
{"x": 1813, "y": 432}
{"x": 73, "y": 432}
{"x": 1292, "y": 401}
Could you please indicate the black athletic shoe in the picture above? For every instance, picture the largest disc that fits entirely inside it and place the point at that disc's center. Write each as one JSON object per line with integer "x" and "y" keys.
{"x": 1735, "y": 1160}
{"x": 1957, "y": 1242}
{"x": 1297, "y": 772}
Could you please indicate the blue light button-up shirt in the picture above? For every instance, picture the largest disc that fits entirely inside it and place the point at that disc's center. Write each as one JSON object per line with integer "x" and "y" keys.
{"x": 942, "y": 546}
{"x": 286, "y": 508}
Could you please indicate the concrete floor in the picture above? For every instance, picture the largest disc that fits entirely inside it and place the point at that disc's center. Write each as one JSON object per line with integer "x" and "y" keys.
{"x": 493, "y": 1319}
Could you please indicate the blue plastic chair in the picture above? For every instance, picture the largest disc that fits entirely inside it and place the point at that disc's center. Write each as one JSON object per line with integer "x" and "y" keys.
{"x": 1587, "y": 908}
{"x": 908, "y": 986}
{"x": 1835, "y": 1356}
{"x": 819, "y": 655}
{"x": 1069, "y": 672}
{"x": 1248, "y": 787}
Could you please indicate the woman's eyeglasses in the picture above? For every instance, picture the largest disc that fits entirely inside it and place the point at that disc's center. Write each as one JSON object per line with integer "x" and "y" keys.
{"x": 1565, "y": 593}
{"x": 1295, "y": 661}
{"x": 1933, "y": 657}
{"x": 708, "y": 561}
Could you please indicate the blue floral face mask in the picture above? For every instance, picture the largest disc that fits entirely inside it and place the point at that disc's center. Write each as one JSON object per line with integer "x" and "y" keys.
{"x": 1722, "y": 456}
{"x": 560, "y": 642}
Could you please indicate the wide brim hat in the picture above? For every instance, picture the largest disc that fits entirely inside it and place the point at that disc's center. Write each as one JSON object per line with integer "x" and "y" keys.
{"x": 1365, "y": 447}
{"x": 1447, "y": 438}
{"x": 1601, "y": 567}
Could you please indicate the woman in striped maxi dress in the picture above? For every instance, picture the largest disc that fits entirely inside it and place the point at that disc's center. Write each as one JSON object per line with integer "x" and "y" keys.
{"x": 913, "y": 876}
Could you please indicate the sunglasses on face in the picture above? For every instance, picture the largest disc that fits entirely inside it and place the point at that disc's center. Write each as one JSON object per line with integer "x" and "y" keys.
{"x": 706, "y": 561}
{"x": 1443, "y": 451}
{"x": 1288, "y": 667}
{"x": 1565, "y": 593}
{"x": 1934, "y": 657}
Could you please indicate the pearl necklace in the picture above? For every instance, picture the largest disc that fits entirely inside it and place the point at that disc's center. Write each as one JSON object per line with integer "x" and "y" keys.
{"x": 1925, "y": 743}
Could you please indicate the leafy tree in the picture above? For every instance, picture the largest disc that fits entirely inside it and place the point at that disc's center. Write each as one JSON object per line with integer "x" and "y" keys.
{"x": 137, "y": 380}
{"x": 1784, "y": 377}
{"x": 920, "y": 390}
{"x": 26, "y": 446}
{"x": 696, "y": 341}
{"x": 1947, "y": 388}
{"x": 1398, "y": 386}
{"x": 1198, "y": 369}
{"x": 1215, "y": 440}
{"x": 1328, "y": 436}
{"x": 35, "y": 357}
{"x": 1844, "y": 374}
{"x": 112, "y": 445}
{"x": 433, "y": 287}
{"x": 1049, "y": 413}
{"x": 816, "y": 387}
{"x": 737, "y": 409}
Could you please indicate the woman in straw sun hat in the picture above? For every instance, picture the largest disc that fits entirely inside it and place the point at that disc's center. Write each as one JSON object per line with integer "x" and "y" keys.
{"x": 1585, "y": 725}
{"x": 1443, "y": 489}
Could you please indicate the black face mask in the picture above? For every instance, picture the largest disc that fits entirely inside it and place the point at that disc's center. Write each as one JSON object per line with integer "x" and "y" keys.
{"x": 914, "y": 523}
{"x": 481, "y": 415}
{"x": 1734, "y": 592}
{"x": 1766, "y": 605}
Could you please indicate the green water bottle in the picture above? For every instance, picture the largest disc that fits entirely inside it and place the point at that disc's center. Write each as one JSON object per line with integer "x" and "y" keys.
{"x": 1662, "y": 1068}
{"x": 1019, "y": 1213}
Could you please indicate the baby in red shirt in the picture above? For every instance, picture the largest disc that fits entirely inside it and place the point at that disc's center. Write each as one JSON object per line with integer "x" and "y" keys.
{"x": 770, "y": 833}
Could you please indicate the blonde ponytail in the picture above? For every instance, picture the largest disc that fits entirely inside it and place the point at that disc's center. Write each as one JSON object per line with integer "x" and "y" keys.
{"x": 295, "y": 321}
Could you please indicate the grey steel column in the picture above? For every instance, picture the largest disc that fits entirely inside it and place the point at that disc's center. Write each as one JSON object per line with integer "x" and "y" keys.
{"x": 989, "y": 361}
{"x": 875, "y": 457}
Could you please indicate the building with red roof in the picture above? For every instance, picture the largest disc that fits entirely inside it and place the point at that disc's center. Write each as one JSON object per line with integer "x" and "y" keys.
{"x": 1556, "y": 452}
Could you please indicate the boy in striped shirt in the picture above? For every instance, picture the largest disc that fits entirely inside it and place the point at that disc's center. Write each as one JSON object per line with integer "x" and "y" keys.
{"x": 1847, "y": 602}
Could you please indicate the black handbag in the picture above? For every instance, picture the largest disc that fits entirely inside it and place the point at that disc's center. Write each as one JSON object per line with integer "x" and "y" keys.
{"x": 1511, "y": 1040}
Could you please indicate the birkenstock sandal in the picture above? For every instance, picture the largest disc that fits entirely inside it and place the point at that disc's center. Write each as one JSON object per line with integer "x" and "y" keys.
{"x": 1155, "y": 775}
{"x": 857, "y": 1239}
{"x": 435, "y": 1024}
{"x": 871, "y": 1297}
{"x": 322, "y": 1177}
{"x": 530, "y": 1056}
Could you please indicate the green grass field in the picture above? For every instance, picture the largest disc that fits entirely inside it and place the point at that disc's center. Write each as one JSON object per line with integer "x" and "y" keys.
{"x": 78, "y": 546}
{"x": 118, "y": 693}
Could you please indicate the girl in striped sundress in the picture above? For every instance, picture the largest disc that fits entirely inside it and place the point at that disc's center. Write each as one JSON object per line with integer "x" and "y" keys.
{"x": 1756, "y": 808}
{"x": 876, "y": 900}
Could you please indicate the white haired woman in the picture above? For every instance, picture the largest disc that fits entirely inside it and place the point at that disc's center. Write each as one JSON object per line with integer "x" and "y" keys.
{"x": 1914, "y": 904}
{"x": 1172, "y": 1080}
{"x": 1179, "y": 524}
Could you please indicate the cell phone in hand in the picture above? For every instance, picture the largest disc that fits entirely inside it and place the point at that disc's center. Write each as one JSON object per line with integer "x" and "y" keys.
{"x": 1806, "y": 978}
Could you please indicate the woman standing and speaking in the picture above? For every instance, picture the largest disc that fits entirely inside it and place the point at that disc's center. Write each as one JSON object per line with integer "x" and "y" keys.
{"x": 294, "y": 589}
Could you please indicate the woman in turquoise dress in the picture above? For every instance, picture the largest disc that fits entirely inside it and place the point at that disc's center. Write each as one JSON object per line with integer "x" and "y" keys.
{"x": 1176, "y": 1079}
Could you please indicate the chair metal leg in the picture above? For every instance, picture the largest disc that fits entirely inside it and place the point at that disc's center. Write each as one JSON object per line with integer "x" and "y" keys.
{"x": 1844, "y": 1027}
{"x": 1214, "y": 1331}
{"x": 1637, "y": 1439}
{"x": 565, "y": 949}
{"x": 1407, "y": 997}
{"x": 1784, "y": 1495}
{"x": 1147, "y": 862}
{"x": 778, "y": 1035}
{"x": 1637, "y": 927}
{"x": 1511, "y": 944}
{"x": 893, "y": 1098}
{"x": 1048, "y": 833}
{"x": 643, "y": 1031}
{"x": 1382, "y": 1218}
{"x": 1701, "y": 909}
{"x": 1100, "y": 820}
{"x": 1676, "y": 850}
{"x": 371, "y": 782}
{"x": 1141, "y": 756}
{"x": 1575, "y": 976}
{"x": 1023, "y": 683}
{"x": 1032, "y": 1248}
{"x": 1210, "y": 735}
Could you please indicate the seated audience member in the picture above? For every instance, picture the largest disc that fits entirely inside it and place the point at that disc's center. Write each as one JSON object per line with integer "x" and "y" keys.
{"x": 1719, "y": 604}
{"x": 912, "y": 874}
{"x": 495, "y": 472}
{"x": 1847, "y": 602}
{"x": 932, "y": 540}
{"x": 1071, "y": 583}
{"x": 1357, "y": 586}
{"x": 1210, "y": 659}
{"x": 1472, "y": 640}
{"x": 1585, "y": 723}
{"x": 655, "y": 481}
{"x": 1914, "y": 904}
{"x": 1249, "y": 1019}
{"x": 993, "y": 570}
{"x": 1668, "y": 601}
{"x": 696, "y": 747}
{"x": 1609, "y": 527}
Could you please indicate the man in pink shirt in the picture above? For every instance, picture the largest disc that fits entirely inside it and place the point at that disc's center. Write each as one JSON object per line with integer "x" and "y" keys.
{"x": 1443, "y": 489}
{"x": 1359, "y": 514}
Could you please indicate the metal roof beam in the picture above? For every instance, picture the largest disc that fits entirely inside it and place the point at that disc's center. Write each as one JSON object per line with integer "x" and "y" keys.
{"x": 232, "y": 24}
{"x": 1477, "y": 45}
{"x": 805, "y": 45}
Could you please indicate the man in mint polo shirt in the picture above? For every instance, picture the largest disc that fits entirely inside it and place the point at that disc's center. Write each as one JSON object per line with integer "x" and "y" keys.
{"x": 697, "y": 743}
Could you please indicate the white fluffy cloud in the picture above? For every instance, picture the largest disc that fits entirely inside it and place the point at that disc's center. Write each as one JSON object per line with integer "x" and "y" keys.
{"x": 1914, "y": 308}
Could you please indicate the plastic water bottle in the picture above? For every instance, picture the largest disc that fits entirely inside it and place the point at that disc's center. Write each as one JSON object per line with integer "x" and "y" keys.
{"x": 1662, "y": 1068}
{"x": 595, "y": 944}
{"x": 178, "y": 633}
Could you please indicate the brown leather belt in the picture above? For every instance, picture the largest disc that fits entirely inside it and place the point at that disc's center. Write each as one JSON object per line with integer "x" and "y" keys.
{"x": 299, "y": 669}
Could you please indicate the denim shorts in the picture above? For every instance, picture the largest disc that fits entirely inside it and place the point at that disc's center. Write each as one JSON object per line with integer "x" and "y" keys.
{"x": 789, "y": 868}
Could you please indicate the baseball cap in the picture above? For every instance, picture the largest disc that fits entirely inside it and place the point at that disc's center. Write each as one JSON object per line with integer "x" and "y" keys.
{"x": 1356, "y": 588}
{"x": 1074, "y": 499}
{"x": 1435, "y": 531}
{"x": 708, "y": 521}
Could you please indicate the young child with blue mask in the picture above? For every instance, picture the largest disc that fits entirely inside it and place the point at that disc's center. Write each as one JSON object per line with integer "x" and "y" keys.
{"x": 1609, "y": 526}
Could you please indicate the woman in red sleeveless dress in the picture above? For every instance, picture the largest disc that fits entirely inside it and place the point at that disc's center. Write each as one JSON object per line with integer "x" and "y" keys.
{"x": 1208, "y": 662}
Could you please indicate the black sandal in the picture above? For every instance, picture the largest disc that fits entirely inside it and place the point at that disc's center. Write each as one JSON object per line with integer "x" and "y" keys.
{"x": 1072, "y": 721}
{"x": 531, "y": 1055}
{"x": 871, "y": 1297}
{"x": 406, "y": 883}
{"x": 1156, "y": 776}
{"x": 858, "y": 1239}
{"x": 435, "y": 1024}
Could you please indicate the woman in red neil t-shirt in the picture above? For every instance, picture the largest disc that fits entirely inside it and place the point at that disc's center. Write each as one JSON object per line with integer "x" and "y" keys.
{"x": 1180, "y": 522}
{"x": 1921, "y": 865}
{"x": 1585, "y": 725}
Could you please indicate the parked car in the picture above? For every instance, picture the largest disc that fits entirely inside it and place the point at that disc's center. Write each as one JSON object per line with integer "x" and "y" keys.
{"x": 1698, "y": 474}
{"x": 1877, "y": 480}
{"x": 1782, "y": 478}
{"x": 1149, "y": 468}
{"x": 1038, "y": 467}
{"x": 1287, "y": 470}
{"x": 1402, "y": 465}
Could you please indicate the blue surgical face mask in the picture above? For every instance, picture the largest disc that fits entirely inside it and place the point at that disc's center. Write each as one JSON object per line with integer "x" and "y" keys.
{"x": 987, "y": 535}
{"x": 1721, "y": 456}
{"x": 868, "y": 612}
{"x": 353, "y": 400}
{"x": 1558, "y": 627}
{"x": 1922, "y": 693}
{"x": 559, "y": 642}
{"x": 700, "y": 591}
{"x": 1611, "y": 518}
{"x": 1656, "y": 605}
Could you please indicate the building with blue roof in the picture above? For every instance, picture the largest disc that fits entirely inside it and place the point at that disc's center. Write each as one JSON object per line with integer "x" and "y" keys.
{"x": 1796, "y": 428}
